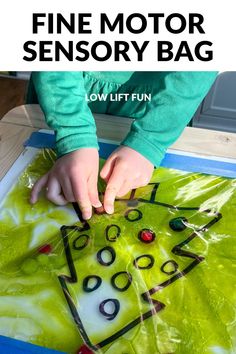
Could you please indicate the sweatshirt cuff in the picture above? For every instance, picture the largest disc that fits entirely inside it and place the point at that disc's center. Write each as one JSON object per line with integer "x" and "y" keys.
{"x": 75, "y": 142}
{"x": 137, "y": 142}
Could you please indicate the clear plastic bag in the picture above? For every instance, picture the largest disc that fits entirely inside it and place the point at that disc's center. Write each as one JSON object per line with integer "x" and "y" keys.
{"x": 157, "y": 276}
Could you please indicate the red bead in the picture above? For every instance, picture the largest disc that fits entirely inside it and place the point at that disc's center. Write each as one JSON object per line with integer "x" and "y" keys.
{"x": 45, "y": 249}
{"x": 100, "y": 210}
{"x": 146, "y": 236}
{"x": 84, "y": 350}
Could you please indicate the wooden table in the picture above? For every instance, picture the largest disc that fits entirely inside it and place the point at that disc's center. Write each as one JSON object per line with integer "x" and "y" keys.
{"x": 17, "y": 125}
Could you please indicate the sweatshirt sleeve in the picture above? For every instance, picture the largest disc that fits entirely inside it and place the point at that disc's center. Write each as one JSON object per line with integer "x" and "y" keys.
{"x": 177, "y": 97}
{"x": 62, "y": 98}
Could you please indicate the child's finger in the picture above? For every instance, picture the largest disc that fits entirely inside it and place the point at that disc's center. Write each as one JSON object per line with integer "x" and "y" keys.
{"x": 80, "y": 191}
{"x": 54, "y": 192}
{"x": 38, "y": 186}
{"x": 125, "y": 188}
{"x": 93, "y": 192}
{"x": 114, "y": 184}
{"x": 107, "y": 169}
{"x": 67, "y": 189}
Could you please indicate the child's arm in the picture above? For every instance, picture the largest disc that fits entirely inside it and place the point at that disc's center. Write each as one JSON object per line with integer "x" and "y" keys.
{"x": 62, "y": 98}
{"x": 74, "y": 175}
{"x": 179, "y": 95}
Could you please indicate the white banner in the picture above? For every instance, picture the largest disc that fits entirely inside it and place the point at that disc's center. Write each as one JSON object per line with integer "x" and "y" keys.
{"x": 122, "y": 35}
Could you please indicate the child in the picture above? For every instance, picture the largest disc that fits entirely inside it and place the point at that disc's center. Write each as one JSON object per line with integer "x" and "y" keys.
{"x": 63, "y": 97}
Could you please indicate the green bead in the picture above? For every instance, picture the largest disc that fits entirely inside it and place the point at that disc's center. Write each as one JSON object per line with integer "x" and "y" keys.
{"x": 178, "y": 224}
{"x": 29, "y": 266}
{"x": 43, "y": 259}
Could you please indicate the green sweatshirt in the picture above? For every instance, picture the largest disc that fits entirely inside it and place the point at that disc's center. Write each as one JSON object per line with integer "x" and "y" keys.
{"x": 175, "y": 96}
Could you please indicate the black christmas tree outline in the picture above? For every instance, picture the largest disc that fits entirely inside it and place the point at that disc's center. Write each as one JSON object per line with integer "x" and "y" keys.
{"x": 146, "y": 296}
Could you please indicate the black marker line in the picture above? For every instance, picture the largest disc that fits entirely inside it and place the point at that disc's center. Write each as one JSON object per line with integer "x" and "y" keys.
{"x": 158, "y": 306}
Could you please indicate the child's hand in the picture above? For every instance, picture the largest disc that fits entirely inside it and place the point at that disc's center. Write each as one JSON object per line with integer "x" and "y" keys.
{"x": 124, "y": 170}
{"x": 73, "y": 178}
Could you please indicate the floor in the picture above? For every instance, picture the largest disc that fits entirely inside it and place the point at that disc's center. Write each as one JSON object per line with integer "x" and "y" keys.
{"x": 12, "y": 93}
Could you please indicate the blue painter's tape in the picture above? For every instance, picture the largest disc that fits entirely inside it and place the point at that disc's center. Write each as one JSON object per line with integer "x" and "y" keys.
{"x": 178, "y": 162}
{"x": 41, "y": 140}
{"x": 105, "y": 149}
{"x": 13, "y": 346}
{"x": 197, "y": 164}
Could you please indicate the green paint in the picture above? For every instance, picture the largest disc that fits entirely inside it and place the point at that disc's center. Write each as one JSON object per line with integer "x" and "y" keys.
{"x": 199, "y": 314}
